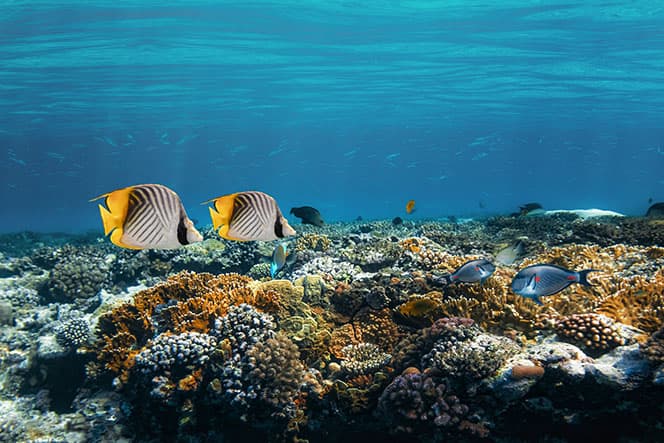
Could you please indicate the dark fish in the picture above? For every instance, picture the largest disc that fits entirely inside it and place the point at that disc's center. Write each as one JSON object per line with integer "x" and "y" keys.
{"x": 359, "y": 218}
{"x": 249, "y": 215}
{"x": 396, "y": 221}
{"x": 528, "y": 208}
{"x": 308, "y": 215}
{"x": 545, "y": 279}
{"x": 472, "y": 272}
{"x": 656, "y": 210}
{"x": 146, "y": 216}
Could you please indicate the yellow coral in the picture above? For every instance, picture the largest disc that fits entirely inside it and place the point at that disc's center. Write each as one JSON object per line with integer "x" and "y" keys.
{"x": 312, "y": 242}
{"x": 638, "y": 302}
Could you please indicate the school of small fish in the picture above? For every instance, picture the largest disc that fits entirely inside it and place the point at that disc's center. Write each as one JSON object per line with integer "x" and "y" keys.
{"x": 152, "y": 216}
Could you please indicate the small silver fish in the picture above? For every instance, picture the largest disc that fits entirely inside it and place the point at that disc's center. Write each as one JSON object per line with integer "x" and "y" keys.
{"x": 508, "y": 255}
{"x": 472, "y": 272}
{"x": 545, "y": 279}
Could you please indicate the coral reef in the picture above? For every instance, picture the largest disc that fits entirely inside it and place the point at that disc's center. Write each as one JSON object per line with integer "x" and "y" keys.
{"x": 653, "y": 348}
{"x": 79, "y": 273}
{"x": 73, "y": 333}
{"x": 362, "y": 335}
{"x": 593, "y": 332}
{"x": 363, "y": 358}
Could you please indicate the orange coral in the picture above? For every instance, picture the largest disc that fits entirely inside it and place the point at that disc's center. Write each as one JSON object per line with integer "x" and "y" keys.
{"x": 638, "y": 302}
{"x": 377, "y": 327}
{"x": 187, "y": 302}
{"x": 340, "y": 337}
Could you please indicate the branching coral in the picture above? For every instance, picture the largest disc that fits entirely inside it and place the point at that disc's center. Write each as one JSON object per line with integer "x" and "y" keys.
{"x": 416, "y": 402}
{"x": 185, "y": 302}
{"x": 312, "y": 242}
{"x": 363, "y": 358}
{"x": 638, "y": 302}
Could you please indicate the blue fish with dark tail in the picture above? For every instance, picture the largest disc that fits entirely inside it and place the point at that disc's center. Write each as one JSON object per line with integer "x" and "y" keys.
{"x": 472, "y": 272}
{"x": 278, "y": 259}
{"x": 545, "y": 279}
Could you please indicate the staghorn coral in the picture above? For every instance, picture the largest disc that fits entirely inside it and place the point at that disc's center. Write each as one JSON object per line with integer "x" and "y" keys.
{"x": 492, "y": 305}
{"x": 593, "y": 332}
{"x": 363, "y": 358}
{"x": 638, "y": 302}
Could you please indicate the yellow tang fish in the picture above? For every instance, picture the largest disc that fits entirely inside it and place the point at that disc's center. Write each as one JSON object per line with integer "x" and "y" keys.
{"x": 146, "y": 217}
{"x": 249, "y": 215}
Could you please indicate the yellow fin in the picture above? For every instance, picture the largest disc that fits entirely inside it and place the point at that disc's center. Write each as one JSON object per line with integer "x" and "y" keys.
{"x": 116, "y": 239}
{"x": 222, "y": 213}
{"x": 114, "y": 217}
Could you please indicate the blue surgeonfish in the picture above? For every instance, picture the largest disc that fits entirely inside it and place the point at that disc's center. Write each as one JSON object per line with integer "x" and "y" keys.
{"x": 278, "y": 259}
{"x": 249, "y": 215}
{"x": 472, "y": 271}
{"x": 545, "y": 279}
{"x": 146, "y": 216}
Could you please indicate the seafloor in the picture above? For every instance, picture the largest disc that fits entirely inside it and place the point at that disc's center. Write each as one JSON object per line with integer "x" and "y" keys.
{"x": 356, "y": 339}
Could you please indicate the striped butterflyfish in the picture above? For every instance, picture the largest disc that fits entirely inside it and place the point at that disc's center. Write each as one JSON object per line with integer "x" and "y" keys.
{"x": 146, "y": 217}
{"x": 249, "y": 215}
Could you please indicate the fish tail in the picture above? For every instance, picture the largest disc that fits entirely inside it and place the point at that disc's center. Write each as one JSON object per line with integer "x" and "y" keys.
{"x": 583, "y": 276}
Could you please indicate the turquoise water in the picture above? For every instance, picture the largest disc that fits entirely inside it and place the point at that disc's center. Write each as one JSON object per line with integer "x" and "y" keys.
{"x": 470, "y": 108}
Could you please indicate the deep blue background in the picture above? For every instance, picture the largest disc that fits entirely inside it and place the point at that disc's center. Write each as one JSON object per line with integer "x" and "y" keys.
{"x": 353, "y": 108}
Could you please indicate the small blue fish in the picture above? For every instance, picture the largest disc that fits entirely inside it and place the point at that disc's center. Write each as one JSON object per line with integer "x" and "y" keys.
{"x": 472, "y": 272}
{"x": 278, "y": 259}
{"x": 544, "y": 279}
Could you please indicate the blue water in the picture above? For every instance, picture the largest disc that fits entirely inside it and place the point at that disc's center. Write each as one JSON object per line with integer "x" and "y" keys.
{"x": 469, "y": 107}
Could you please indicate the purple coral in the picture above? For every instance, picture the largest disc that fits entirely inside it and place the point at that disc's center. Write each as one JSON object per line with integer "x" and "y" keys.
{"x": 415, "y": 401}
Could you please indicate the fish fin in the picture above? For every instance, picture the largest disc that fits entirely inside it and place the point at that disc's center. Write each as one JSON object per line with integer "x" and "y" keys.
{"x": 114, "y": 214}
{"x": 109, "y": 220}
{"x": 221, "y": 214}
{"x": 537, "y": 300}
{"x": 583, "y": 276}
{"x": 116, "y": 239}
{"x": 482, "y": 280}
{"x": 273, "y": 269}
